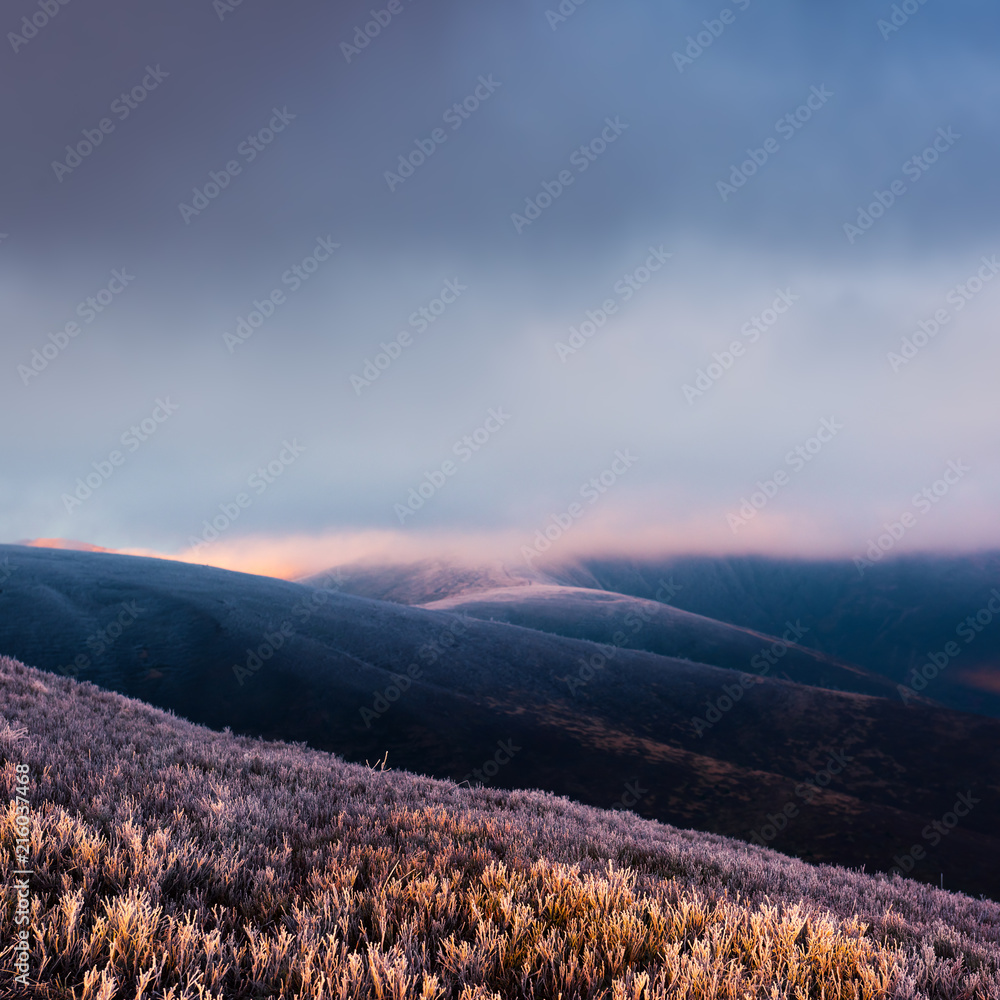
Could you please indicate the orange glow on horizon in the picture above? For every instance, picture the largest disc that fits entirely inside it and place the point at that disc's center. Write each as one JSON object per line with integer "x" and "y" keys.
{"x": 603, "y": 533}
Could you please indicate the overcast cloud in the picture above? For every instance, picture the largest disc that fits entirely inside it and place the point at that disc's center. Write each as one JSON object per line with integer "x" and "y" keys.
{"x": 623, "y": 129}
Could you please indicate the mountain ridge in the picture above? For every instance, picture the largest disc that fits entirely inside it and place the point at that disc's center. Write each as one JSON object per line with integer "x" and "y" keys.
{"x": 440, "y": 692}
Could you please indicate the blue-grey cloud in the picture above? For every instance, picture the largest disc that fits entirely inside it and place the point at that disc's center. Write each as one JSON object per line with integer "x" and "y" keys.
{"x": 841, "y": 156}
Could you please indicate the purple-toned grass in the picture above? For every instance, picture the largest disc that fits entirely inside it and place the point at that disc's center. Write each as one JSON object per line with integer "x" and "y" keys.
{"x": 175, "y": 862}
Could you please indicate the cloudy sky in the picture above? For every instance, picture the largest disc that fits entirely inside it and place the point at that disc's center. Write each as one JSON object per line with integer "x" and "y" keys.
{"x": 324, "y": 246}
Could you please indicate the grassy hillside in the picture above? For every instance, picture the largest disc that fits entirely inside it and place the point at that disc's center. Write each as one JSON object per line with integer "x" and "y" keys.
{"x": 859, "y": 777}
{"x": 173, "y": 861}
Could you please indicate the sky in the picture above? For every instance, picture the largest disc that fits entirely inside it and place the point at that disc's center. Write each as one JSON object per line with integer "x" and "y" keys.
{"x": 503, "y": 279}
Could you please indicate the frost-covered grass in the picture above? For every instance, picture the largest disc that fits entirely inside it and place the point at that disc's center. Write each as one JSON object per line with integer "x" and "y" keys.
{"x": 173, "y": 861}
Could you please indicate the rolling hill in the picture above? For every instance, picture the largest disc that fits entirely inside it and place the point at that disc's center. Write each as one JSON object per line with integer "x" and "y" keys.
{"x": 630, "y": 622}
{"x": 889, "y": 617}
{"x": 827, "y": 775}
{"x": 168, "y": 860}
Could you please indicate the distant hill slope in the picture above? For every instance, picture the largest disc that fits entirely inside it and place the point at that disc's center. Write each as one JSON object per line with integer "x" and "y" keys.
{"x": 829, "y": 776}
{"x": 168, "y": 860}
{"x": 890, "y": 617}
{"x": 633, "y": 623}
{"x": 423, "y": 581}
{"x": 886, "y": 617}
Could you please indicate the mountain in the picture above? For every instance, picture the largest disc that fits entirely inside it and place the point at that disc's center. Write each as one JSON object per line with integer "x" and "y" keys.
{"x": 628, "y": 622}
{"x": 930, "y": 623}
{"x": 167, "y": 860}
{"x": 895, "y": 616}
{"x": 827, "y": 775}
